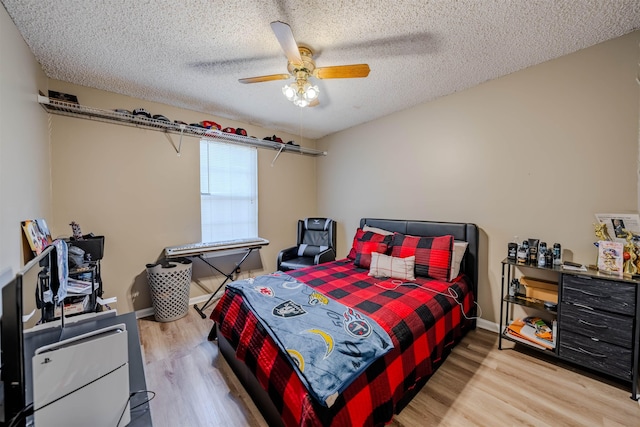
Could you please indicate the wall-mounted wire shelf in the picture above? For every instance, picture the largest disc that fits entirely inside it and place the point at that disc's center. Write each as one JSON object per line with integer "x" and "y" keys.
{"x": 70, "y": 109}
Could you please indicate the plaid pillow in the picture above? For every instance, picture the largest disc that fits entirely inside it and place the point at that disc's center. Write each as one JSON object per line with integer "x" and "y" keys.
{"x": 433, "y": 254}
{"x": 366, "y": 242}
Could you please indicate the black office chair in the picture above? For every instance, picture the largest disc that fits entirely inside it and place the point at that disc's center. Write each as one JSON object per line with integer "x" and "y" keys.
{"x": 316, "y": 244}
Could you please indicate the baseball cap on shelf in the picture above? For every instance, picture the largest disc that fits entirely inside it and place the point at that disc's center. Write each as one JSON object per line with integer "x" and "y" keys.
{"x": 229, "y": 130}
{"x": 273, "y": 138}
{"x": 141, "y": 112}
{"x": 161, "y": 117}
{"x": 240, "y": 131}
{"x": 180, "y": 122}
{"x": 208, "y": 124}
{"x": 64, "y": 97}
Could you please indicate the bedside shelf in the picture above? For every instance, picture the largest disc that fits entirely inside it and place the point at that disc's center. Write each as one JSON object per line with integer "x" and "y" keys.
{"x": 523, "y": 301}
{"x": 62, "y": 108}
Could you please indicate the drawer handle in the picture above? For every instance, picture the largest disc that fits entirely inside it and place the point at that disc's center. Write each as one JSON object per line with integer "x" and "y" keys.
{"x": 582, "y": 350}
{"x": 589, "y": 293}
{"x": 593, "y": 325}
{"x": 583, "y": 306}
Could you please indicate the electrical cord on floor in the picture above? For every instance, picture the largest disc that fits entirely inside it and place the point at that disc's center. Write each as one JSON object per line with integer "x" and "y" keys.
{"x": 21, "y": 416}
{"x": 28, "y": 410}
{"x": 133, "y": 393}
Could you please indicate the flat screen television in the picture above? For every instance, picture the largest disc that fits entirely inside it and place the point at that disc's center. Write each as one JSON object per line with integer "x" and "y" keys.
{"x": 22, "y": 311}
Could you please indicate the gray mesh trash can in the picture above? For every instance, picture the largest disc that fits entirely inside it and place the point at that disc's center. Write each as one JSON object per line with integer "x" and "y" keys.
{"x": 169, "y": 281}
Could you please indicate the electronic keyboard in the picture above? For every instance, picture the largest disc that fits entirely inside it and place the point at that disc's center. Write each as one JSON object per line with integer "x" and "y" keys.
{"x": 193, "y": 249}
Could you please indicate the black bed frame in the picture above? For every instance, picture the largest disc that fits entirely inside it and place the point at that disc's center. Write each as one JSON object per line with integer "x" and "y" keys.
{"x": 461, "y": 231}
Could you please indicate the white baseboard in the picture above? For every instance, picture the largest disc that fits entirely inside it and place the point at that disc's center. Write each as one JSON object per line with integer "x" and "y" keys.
{"x": 489, "y": 326}
{"x": 146, "y": 312}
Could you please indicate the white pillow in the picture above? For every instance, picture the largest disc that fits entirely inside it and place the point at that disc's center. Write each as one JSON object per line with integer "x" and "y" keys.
{"x": 459, "y": 249}
{"x": 393, "y": 267}
{"x": 377, "y": 230}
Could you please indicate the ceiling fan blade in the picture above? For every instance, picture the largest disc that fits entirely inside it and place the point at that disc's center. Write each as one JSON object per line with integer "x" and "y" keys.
{"x": 342, "y": 71}
{"x": 285, "y": 38}
{"x": 268, "y": 78}
{"x": 314, "y": 103}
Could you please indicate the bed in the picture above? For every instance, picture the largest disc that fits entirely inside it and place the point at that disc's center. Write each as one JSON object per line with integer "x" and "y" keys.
{"x": 424, "y": 325}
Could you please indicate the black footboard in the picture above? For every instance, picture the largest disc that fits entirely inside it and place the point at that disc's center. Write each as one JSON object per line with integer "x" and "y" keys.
{"x": 259, "y": 396}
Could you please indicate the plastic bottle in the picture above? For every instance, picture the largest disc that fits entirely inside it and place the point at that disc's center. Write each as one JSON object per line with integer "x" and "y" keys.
{"x": 522, "y": 255}
{"x": 548, "y": 258}
{"x": 557, "y": 254}
{"x": 542, "y": 252}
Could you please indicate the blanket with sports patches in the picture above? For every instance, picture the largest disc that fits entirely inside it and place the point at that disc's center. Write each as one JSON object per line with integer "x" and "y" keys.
{"x": 329, "y": 343}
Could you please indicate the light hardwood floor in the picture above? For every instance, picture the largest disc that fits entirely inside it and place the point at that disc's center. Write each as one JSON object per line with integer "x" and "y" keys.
{"x": 478, "y": 385}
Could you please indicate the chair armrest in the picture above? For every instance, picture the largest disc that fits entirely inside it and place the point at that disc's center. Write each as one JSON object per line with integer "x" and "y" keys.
{"x": 325, "y": 256}
{"x": 287, "y": 254}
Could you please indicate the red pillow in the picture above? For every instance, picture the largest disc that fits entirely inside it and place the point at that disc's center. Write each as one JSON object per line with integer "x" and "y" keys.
{"x": 365, "y": 242}
{"x": 433, "y": 254}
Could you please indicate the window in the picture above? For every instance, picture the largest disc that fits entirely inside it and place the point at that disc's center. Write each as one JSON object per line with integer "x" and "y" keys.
{"x": 228, "y": 191}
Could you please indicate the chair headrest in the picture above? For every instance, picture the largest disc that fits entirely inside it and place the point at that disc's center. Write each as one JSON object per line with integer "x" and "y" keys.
{"x": 318, "y": 224}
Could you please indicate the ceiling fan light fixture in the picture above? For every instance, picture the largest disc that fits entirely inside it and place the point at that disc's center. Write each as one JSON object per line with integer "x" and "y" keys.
{"x": 301, "y": 93}
{"x": 289, "y": 92}
{"x": 301, "y": 102}
{"x": 309, "y": 92}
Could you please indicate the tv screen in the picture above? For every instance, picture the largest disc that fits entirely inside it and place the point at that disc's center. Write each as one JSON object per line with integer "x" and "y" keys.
{"x": 21, "y": 311}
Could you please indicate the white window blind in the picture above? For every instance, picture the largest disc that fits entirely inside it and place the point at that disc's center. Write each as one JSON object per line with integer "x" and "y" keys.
{"x": 228, "y": 191}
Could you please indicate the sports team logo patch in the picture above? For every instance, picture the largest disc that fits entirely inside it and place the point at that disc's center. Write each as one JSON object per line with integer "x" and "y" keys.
{"x": 288, "y": 309}
{"x": 355, "y": 324}
{"x": 328, "y": 340}
{"x": 264, "y": 290}
{"x": 317, "y": 298}
{"x": 297, "y": 357}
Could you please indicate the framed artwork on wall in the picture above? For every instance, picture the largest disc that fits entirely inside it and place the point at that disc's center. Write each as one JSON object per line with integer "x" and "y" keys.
{"x": 37, "y": 233}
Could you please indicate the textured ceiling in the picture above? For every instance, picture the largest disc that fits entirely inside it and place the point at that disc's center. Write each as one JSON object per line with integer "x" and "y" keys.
{"x": 191, "y": 53}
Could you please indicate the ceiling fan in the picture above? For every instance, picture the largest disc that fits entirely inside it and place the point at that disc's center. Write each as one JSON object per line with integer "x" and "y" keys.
{"x": 301, "y": 67}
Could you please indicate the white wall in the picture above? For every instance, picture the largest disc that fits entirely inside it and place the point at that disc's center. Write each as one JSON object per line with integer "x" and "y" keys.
{"x": 24, "y": 146}
{"x": 534, "y": 154}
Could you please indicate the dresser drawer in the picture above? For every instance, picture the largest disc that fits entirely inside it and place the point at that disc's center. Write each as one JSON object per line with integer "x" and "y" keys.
{"x": 610, "y": 295}
{"x": 608, "y": 327}
{"x": 601, "y": 356}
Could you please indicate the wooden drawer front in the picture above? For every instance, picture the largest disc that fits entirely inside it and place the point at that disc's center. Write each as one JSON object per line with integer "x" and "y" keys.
{"x": 601, "y": 356}
{"x": 608, "y": 327}
{"x": 617, "y": 297}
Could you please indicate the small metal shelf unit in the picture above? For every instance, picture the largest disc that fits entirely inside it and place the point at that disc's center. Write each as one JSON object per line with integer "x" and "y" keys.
{"x": 508, "y": 267}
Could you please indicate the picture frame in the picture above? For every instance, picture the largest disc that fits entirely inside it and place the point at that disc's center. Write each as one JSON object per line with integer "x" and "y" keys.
{"x": 610, "y": 257}
{"x": 37, "y": 233}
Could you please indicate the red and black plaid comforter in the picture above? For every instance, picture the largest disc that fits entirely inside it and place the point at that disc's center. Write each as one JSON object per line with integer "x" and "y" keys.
{"x": 422, "y": 324}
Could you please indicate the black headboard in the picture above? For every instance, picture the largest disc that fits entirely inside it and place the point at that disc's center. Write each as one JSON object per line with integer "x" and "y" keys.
{"x": 459, "y": 230}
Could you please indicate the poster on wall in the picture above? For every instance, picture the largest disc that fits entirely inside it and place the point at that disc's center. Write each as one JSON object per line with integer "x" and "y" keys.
{"x": 619, "y": 224}
{"x": 37, "y": 234}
